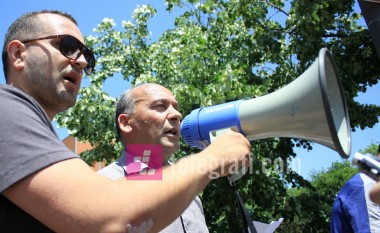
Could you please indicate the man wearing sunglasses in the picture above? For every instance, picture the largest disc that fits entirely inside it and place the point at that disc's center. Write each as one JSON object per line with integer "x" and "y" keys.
{"x": 44, "y": 186}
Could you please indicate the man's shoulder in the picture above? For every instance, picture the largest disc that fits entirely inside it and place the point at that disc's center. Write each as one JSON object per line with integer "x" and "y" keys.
{"x": 11, "y": 89}
{"x": 16, "y": 105}
{"x": 352, "y": 186}
{"x": 12, "y": 95}
{"x": 7, "y": 91}
{"x": 355, "y": 180}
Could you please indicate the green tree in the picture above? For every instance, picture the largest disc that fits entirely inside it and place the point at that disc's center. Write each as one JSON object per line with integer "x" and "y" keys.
{"x": 219, "y": 51}
{"x": 371, "y": 149}
{"x": 314, "y": 203}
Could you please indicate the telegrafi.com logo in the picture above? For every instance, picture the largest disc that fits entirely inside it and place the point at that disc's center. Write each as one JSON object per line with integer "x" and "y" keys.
{"x": 264, "y": 166}
{"x": 144, "y": 162}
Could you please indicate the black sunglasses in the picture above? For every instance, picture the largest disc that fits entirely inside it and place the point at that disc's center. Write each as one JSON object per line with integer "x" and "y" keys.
{"x": 72, "y": 48}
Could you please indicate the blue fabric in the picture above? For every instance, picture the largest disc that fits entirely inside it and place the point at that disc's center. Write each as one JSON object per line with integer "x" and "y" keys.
{"x": 350, "y": 213}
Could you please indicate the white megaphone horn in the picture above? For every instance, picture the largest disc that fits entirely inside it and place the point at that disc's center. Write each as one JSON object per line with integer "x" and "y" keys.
{"x": 312, "y": 107}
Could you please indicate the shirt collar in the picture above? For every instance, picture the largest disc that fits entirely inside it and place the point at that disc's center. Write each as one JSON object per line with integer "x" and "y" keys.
{"x": 134, "y": 167}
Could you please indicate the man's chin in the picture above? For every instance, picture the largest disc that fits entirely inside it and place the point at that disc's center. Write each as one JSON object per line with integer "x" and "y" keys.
{"x": 170, "y": 148}
{"x": 67, "y": 103}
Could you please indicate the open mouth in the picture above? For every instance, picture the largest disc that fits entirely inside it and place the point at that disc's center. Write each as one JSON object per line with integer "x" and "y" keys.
{"x": 70, "y": 79}
{"x": 172, "y": 132}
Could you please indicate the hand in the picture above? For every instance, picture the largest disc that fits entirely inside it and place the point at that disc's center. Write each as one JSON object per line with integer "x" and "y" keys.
{"x": 227, "y": 153}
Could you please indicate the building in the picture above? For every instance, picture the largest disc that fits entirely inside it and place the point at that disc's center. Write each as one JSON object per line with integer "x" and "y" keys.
{"x": 77, "y": 147}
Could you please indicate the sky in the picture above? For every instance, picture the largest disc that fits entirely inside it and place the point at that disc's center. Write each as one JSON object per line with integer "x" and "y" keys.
{"x": 90, "y": 13}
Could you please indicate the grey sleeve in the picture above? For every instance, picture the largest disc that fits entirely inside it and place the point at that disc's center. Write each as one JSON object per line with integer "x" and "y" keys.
{"x": 28, "y": 141}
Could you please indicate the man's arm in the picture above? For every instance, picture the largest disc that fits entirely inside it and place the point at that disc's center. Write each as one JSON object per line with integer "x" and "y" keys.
{"x": 374, "y": 194}
{"x": 339, "y": 219}
{"x": 69, "y": 197}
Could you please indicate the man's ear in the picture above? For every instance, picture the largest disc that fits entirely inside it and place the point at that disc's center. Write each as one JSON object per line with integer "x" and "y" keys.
{"x": 15, "y": 51}
{"x": 123, "y": 121}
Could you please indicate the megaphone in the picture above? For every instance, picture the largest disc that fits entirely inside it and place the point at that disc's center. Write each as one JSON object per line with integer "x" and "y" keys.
{"x": 312, "y": 107}
{"x": 371, "y": 13}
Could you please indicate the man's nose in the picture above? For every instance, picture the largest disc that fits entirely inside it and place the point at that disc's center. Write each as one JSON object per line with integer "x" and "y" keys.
{"x": 175, "y": 114}
{"x": 80, "y": 62}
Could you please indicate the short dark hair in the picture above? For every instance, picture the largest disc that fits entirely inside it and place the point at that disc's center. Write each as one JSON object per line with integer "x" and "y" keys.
{"x": 25, "y": 27}
{"x": 125, "y": 105}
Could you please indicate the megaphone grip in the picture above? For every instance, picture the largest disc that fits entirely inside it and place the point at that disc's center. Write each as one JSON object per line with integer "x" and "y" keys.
{"x": 241, "y": 172}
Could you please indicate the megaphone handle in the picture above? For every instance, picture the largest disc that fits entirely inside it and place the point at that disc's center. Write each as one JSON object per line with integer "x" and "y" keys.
{"x": 241, "y": 172}
{"x": 249, "y": 227}
{"x": 247, "y": 221}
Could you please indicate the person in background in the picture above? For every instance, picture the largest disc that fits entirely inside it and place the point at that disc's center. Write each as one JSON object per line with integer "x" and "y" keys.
{"x": 149, "y": 115}
{"x": 44, "y": 187}
{"x": 353, "y": 210}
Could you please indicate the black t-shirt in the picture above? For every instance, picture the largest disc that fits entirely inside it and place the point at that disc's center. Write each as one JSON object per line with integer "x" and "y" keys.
{"x": 28, "y": 143}
{"x": 15, "y": 220}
